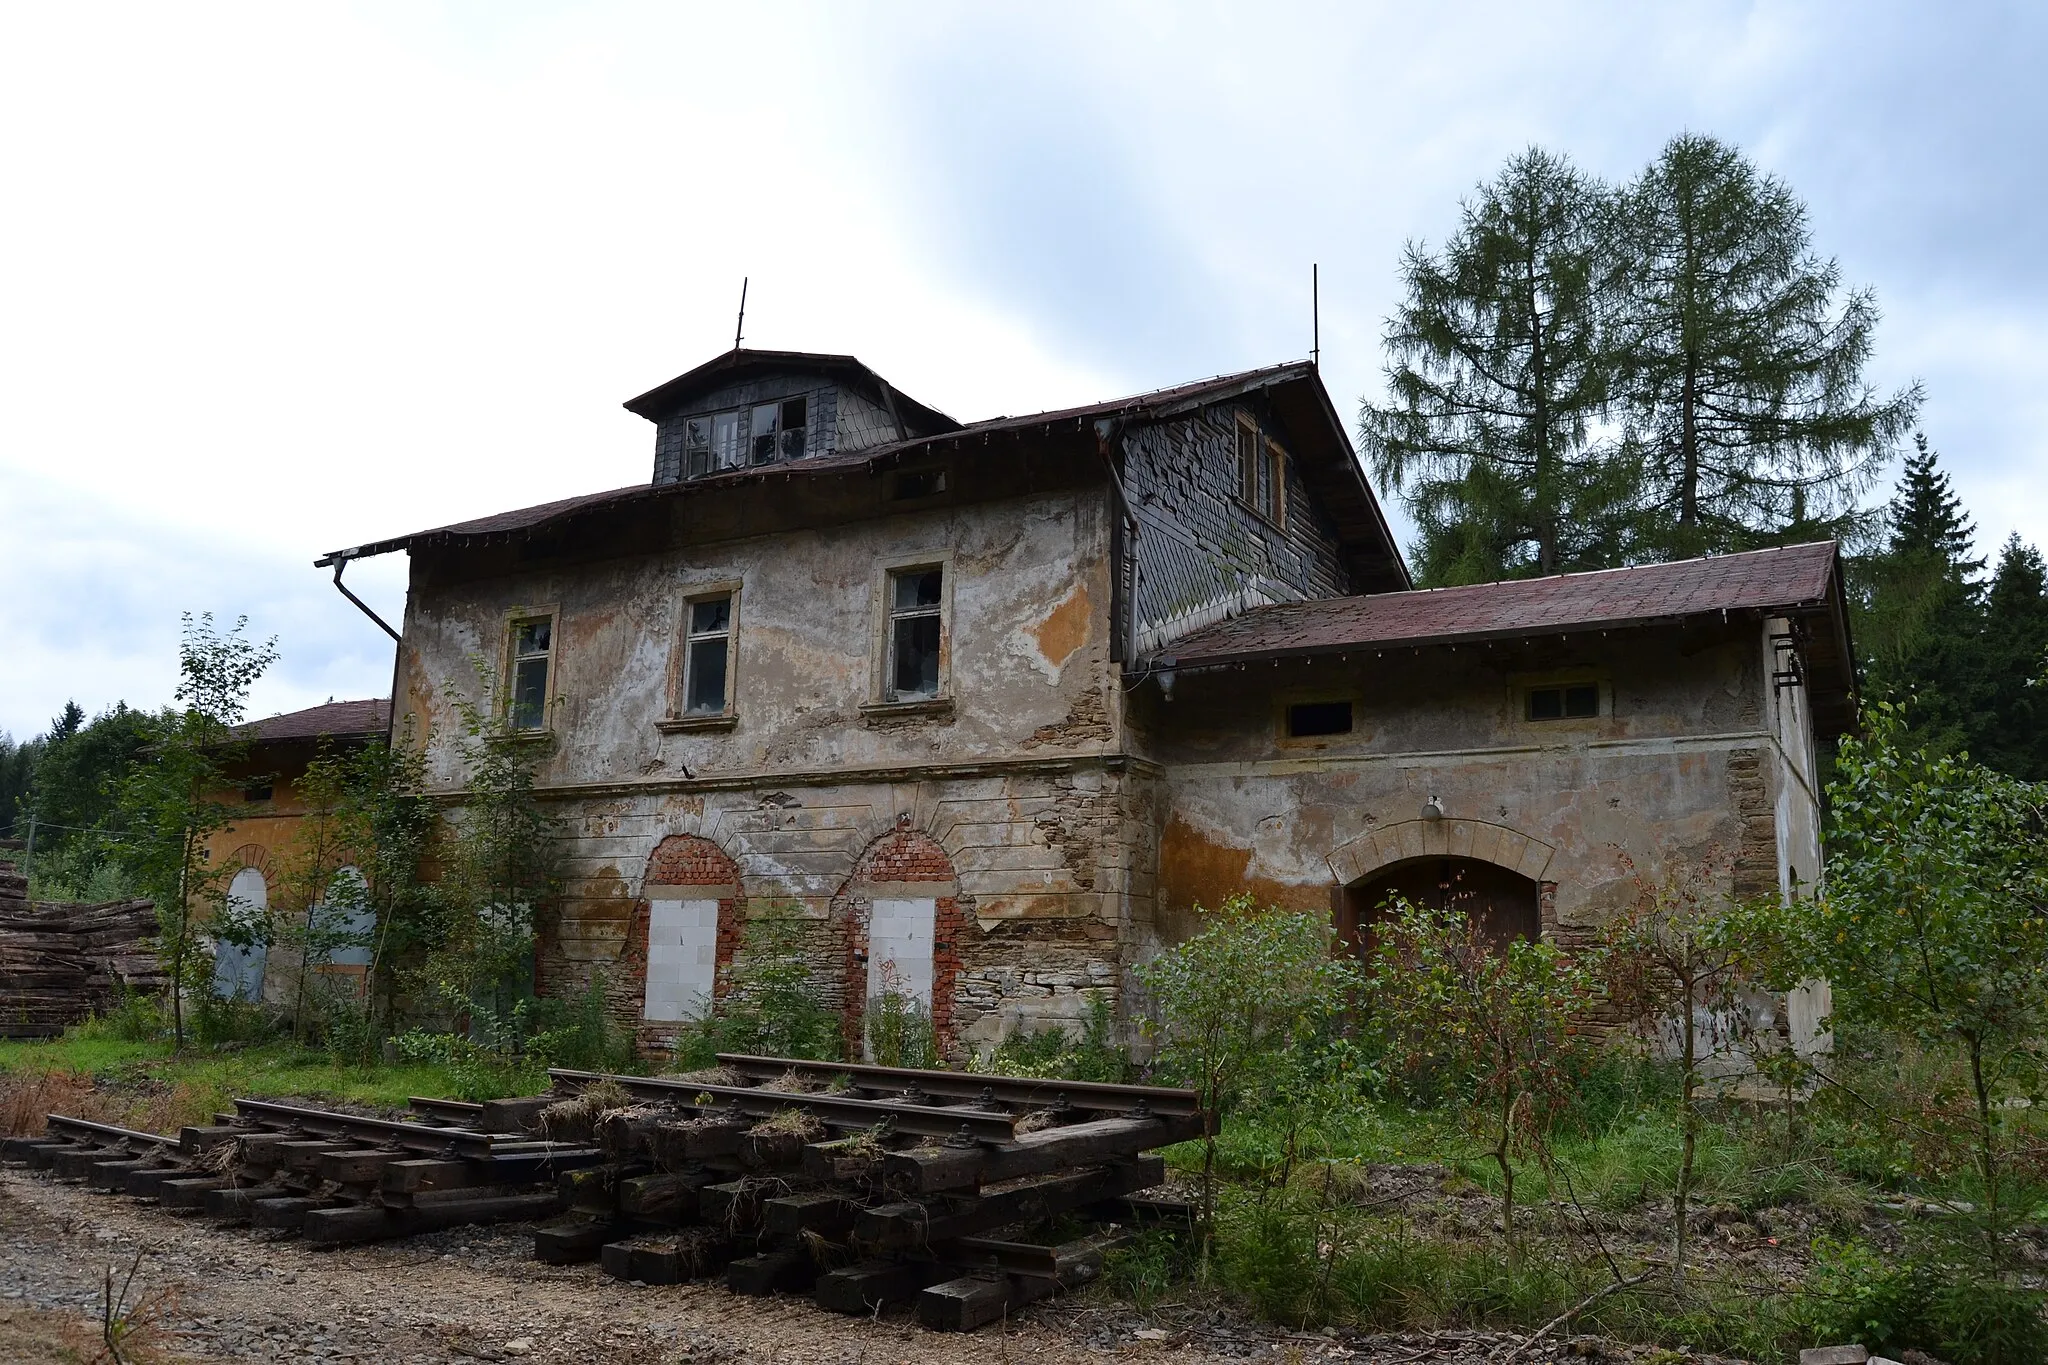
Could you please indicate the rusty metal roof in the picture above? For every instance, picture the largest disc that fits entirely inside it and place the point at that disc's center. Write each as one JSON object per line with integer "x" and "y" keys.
{"x": 334, "y": 719}
{"x": 1325, "y": 459}
{"x": 1803, "y": 581}
{"x": 1796, "y": 576}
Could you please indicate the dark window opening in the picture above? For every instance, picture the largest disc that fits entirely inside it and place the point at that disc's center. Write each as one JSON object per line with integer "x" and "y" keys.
{"x": 259, "y": 791}
{"x": 914, "y": 609}
{"x": 1310, "y": 718}
{"x": 918, "y": 483}
{"x": 531, "y": 644}
{"x": 706, "y": 652}
{"x": 761, "y": 434}
{"x": 1575, "y": 702}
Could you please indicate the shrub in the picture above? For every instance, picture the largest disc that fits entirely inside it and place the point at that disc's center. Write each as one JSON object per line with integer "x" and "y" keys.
{"x": 899, "y": 1031}
{"x": 770, "y": 1006}
{"x": 1054, "y": 1053}
{"x": 1947, "y": 1304}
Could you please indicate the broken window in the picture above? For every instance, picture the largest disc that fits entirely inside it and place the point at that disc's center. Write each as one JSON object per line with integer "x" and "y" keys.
{"x": 1572, "y": 701}
{"x": 761, "y": 434}
{"x": 532, "y": 642}
{"x": 707, "y": 656}
{"x": 1308, "y": 719}
{"x": 914, "y": 628}
{"x": 1261, "y": 472}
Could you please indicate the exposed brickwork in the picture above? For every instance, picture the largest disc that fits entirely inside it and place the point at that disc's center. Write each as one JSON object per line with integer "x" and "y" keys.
{"x": 905, "y": 855}
{"x": 1087, "y": 722}
{"x": 1756, "y": 850}
{"x": 679, "y": 860}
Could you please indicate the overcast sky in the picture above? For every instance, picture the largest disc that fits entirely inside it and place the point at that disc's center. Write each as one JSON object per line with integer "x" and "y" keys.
{"x": 280, "y": 278}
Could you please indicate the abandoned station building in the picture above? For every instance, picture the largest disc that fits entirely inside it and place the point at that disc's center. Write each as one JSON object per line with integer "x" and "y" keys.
{"x": 987, "y": 710}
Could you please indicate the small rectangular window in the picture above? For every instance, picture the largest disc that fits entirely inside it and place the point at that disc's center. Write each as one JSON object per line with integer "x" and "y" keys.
{"x": 260, "y": 791}
{"x": 1248, "y": 463}
{"x": 532, "y": 643}
{"x": 707, "y": 654}
{"x": 914, "y": 607}
{"x": 1275, "y": 504}
{"x": 1575, "y": 701}
{"x": 725, "y": 440}
{"x": 918, "y": 483}
{"x": 795, "y": 424}
{"x": 697, "y": 446}
{"x": 762, "y": 433}
{"x": 1308, "y": 719}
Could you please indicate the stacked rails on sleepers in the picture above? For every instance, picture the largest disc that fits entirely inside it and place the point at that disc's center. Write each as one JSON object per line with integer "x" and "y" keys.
{"x": 865, "y": 1185}
{"x": 334, "y": 1177}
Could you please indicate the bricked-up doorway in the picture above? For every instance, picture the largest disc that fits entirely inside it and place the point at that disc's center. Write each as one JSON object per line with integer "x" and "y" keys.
{"x": 901, "y": 915}
{"x": 1506, "y": 905}
{"x": 684, "y": 932}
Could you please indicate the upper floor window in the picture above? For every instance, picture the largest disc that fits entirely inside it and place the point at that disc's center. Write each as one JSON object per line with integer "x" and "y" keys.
{"x": 707, "y": 657}
{"x": 531, "y": 659}
{"x": 760, "y": 434}
{"x": 916, "y": 599}
{"x": 1571, "y": 701}
{"x": 1261, "y": 473}
{"x": 1311, "y": 719}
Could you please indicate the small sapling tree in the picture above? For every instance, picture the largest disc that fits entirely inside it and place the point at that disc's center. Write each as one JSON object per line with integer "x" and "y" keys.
{"x": 1679, "y": 966}
{"x": 1934, "y": 921}
{"x": 171, "y": 799}
{"x": 1253, "y": 988}
{"x": 1499, "y": 1026}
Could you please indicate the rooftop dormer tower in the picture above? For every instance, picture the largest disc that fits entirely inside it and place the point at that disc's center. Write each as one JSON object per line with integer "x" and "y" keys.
{"x": 749, "y": 408}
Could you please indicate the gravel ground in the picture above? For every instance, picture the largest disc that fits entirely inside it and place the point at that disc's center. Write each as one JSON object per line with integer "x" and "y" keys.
{"x": 474, "y": 1294}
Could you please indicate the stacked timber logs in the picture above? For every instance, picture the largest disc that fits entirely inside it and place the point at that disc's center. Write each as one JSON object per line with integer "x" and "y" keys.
{"x": 61, "y": 962}
{"x": 861, "y": 1185}
{"x": 335, "y": 1178}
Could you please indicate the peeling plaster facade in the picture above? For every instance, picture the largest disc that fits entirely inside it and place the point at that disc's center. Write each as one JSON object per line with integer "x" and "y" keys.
{"x": 1057, "y": 810}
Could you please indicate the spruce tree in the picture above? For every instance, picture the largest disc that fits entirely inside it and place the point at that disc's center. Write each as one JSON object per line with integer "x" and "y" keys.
{"x": 1742, "y": 360}
{"x": 1920, "y": 621}
{"x": 1496, "y": 379}
{"x": 2012, "y": 722}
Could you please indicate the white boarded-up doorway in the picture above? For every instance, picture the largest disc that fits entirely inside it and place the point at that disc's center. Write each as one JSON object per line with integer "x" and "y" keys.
{"x": 682, "y": 959}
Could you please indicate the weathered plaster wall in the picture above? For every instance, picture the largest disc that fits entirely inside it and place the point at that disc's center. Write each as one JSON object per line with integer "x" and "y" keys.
{"x": 1018, "y": 785}
{"x": 1202, "y": 554}
{"x": 1676, "y": 769}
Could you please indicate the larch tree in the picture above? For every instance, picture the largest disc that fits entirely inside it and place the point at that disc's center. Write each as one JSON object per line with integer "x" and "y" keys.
{"x": 1496, "y": 381}
{"x": 1742, "y": 359}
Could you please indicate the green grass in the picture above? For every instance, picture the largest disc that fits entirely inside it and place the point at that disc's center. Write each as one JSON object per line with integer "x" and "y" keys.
{"x": 148, "y": 1085}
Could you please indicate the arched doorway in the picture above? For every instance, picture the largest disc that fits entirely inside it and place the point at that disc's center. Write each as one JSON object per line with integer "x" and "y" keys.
{"x": 238, "y": 970}
{"x": 901, "y": 916}
{"x": 1504, "y": 904}
{"x": 686, "y": 928}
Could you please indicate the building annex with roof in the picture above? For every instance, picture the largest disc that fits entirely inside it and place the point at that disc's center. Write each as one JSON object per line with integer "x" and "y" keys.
{"x": 984, "y": 710}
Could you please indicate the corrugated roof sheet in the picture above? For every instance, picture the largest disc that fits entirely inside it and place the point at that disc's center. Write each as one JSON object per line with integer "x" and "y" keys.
{"x": 1796, "y": 576}
{"x": 338, "y": 719}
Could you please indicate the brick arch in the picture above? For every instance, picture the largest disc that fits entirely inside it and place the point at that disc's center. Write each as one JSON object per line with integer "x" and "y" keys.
{"x": 256, "y": 856}
{"x": 694, "y": 864}
{"x": 1481, "y": 840}
{"x": 909, "y": 858}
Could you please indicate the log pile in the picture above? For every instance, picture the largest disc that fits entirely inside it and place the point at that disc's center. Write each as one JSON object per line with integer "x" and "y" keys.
{"x": 61, "y": 962}
{"x": 969, "y": 1195}
{"x": 864, "y": 1185}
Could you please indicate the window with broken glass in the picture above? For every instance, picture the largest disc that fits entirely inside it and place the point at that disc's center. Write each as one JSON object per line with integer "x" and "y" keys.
{"x": 1572, "y": 701}
{"x": 532, "y": 652}
{"x": 707, "y": 657}
{"x": 760, "y": 434}
{"x": 915, "y": 597}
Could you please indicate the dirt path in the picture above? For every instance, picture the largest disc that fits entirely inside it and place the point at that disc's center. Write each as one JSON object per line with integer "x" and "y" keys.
{"x": 475, "y": 1294}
